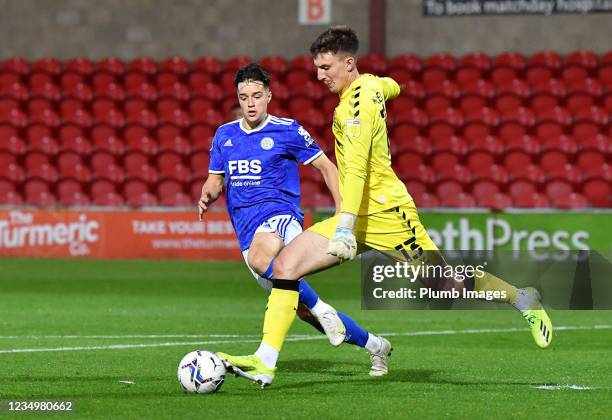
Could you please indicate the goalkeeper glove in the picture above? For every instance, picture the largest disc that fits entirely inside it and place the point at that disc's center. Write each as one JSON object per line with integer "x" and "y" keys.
{"x": 343, "y": 244}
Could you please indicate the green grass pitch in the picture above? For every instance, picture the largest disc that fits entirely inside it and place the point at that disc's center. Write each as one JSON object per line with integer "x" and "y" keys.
{"x": 103, "y": 322}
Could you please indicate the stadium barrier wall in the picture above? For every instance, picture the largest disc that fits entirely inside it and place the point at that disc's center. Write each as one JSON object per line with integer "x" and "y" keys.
{"x": 163, "y": 234}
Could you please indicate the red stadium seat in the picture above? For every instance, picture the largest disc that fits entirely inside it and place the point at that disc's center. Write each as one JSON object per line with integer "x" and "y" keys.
{"x": 488, "y": 144}
{"x": 401, "y": 76}
{"x": 68, "y": 159}
{"x": 232, "y": 64}
{"x": 503, "y": 75}
{"x": 598, "y": 192}
{"x": 6, "y": 185}
{"x": 112, "y": 90}
{"x": 144, "y": 65}
{"x": 275, "y": 64}
{"x": 79, "y": 91}
{"x": 145, "y": 91}
{"x": 373, "y": 63}
{"x": 530, "y": 172}
{"x": 45, "y": 117}
{"x": 477, "y": 160}
{"x": 211, "y": 118}
{"x": 418, "y": 145}
{"x": 533, "y": 200}
{"x": 460, "y": 200}
{"x": 81, "y": 65}
{"x": 520, "y": 188}
{"x": 17, "y": 65}
{"x": 178, "y": 65}
{"x": 134, "y": 105}
{"x": 171, "y": 140}
{"x": 179, "y": 199}
{"x": 10, "y": 142}
{"x": 538, "y": 75}
{"x": 169, "y": 188}
{"x": 48, "y": 65}
{"x": 598, "y": 143}
{"x": 78, "y": 172}
{"x": 199, "y": 164}
{"x": 444, "y": 61}
{"x": 102, "y": 187}
{"x": 478, "y": 60}
{"x": 570, "y": 201}
{"x": 553, "y": 160}
{"x": 45, "y": 171}
{"x": 443, "y": 161}
{"x": 557, "y": 188}
{"x": 452, "y": 144}
{"x": 70, "y": 79}
{"x": 15, "y": 90}
{"x": 200, "y": 137}
{"x": 548, "y": 59}
{"x": 416, "y": 188}
{"x": 104, "y": 139}
{"x": 112, "y": 172}
{"x": 410, "y": 62}
{"x": 67, "y": 187}
{"x": 11, "y": 171}
{"x": 484, "y": 188}
{"x": 562, "y": 143}
{"x": 574, "y": 75}
{"x": 10, "y": 198}
{"x": 456, "y": 172}
{"x": 111, "y": 65}
{"x": 433, "y": 76}
{"x": 426, "y": 200}
{"x": 142, "y": 200}
{"x": 170, "y": 166}
{"x": 211, "y": 65}
{"x": 145, "y": 118}
{"x": 516, "y": 159}
{"x": 585, "y": 59}
{"x": 496, "y": 201}
{"x": 567, "y": 172}
{"x": 448, "y": 187}
{"x": 108, "y": 199}
{"x": 588, "y": 158}
{"x": 514, "y": 60}
{"x": 137, "y": 167}
{"x": 41, "y": 199}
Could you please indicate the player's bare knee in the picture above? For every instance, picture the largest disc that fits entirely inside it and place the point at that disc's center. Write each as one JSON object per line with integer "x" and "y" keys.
{"x": 283, "y": 269}
{"x": 258, "y": 261}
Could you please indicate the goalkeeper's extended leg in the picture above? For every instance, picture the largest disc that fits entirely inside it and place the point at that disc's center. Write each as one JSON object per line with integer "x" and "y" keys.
{"x": 527, "y": 301}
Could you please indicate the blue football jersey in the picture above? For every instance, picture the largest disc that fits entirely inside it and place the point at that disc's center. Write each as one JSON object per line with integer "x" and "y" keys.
{"x": 261, "y": 171}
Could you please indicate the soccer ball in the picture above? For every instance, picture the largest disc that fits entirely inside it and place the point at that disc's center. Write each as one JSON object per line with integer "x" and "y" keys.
{"x": 201, "y": 372}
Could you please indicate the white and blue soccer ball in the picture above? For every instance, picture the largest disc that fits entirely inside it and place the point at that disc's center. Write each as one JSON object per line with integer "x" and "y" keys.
{"x": 201, "y": 372}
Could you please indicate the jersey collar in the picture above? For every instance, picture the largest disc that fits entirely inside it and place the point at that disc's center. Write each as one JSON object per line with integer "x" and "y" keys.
{"x": 253, "y": 130}
{"x": 348, "y": 91}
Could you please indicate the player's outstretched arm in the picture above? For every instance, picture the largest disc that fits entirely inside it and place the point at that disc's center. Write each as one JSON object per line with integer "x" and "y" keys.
{"x": 211, "y": 190}
{"x": 330, "y": 175}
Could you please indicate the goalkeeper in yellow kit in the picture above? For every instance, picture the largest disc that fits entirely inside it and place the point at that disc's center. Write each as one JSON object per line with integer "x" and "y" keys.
{"x": 376, "y": 210}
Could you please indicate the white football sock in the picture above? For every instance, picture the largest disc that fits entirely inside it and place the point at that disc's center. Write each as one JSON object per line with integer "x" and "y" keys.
{"x": 320, "y": 308}
{"x": 267, "y": 354}
{"x": 523, "y": 300}
{"x": 374, "y": 343}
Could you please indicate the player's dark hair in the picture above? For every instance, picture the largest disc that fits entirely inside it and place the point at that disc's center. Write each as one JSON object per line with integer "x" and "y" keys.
{"x": 337, "y": 38}
{"x": 255, "y": 72}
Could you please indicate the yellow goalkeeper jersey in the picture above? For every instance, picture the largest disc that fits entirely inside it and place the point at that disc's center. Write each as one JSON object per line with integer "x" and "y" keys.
{"x": 368, "y": 184}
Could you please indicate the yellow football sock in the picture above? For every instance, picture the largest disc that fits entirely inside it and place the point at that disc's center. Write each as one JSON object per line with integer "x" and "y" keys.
{"x": 280, "y": 314}
{"x": 488, "y": 282}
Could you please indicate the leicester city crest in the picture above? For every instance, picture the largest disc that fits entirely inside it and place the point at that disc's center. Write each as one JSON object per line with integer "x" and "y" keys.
{"x": 267, "y": 143}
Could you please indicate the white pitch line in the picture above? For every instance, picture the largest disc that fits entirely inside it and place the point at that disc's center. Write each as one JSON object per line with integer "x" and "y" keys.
{"x": 296, "y": 338}
{"x": 39, "y": 337}
{"x": 559, "y": 387}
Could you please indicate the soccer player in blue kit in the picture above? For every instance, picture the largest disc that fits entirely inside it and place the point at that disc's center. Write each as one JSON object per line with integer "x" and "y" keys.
{"x": 255, "y": 159}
